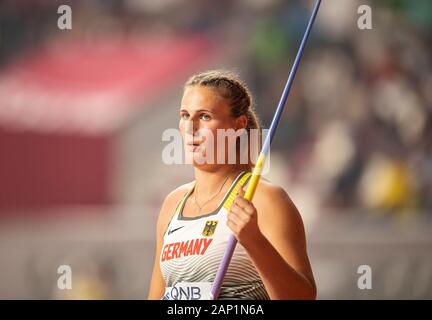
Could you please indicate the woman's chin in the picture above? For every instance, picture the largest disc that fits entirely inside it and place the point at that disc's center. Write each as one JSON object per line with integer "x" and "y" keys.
{"x": 199, "y": 160}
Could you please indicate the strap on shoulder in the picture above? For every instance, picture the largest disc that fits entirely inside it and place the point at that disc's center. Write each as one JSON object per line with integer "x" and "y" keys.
{"x": 181, "y": 202}
{"x": 242, "y": 181}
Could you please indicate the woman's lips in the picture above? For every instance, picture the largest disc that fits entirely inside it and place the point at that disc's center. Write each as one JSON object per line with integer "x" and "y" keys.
{"x": 193, "y": 147}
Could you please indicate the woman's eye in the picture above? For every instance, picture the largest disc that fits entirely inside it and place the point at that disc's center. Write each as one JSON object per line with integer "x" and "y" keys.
{"x": 205, "y": 117}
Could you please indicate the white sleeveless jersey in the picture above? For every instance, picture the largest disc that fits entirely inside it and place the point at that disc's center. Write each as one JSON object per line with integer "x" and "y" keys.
{"x": 192, "y": 251}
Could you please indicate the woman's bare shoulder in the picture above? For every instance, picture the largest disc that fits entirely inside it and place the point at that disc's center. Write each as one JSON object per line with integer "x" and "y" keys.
{"x": 271, "y": 196}
{"x": 277, "y": 214}
{"x": 267, "y": 189}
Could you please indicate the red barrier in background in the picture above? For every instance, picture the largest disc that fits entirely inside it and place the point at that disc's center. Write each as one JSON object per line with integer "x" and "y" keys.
{"x": 53, "y": 169}
{"x": 61, "y": 104}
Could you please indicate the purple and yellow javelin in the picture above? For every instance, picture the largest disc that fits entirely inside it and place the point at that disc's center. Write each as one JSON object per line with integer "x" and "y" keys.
{"x": 256, "y": 174}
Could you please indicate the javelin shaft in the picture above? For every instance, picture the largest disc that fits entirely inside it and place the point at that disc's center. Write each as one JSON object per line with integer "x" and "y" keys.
{"x": 256, "y": 174}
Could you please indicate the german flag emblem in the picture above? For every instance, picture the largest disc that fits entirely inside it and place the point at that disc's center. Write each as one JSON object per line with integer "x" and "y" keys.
{"x": 209, "y": 228}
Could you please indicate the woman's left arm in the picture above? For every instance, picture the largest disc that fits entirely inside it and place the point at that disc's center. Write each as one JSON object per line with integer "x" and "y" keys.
{"x": 272, "y": 233}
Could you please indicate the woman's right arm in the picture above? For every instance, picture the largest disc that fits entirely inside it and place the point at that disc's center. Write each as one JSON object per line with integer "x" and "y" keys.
{"x": 157, "y": 283}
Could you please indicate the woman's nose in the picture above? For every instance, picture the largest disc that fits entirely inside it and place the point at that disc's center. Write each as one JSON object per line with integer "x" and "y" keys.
{"x": 191, "y": 127}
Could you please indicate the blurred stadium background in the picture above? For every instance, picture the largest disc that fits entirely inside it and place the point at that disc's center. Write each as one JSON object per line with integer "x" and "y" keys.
{"x": 82, "y": 113}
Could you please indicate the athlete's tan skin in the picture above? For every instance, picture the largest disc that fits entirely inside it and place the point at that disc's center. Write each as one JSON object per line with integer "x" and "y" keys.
{"x": 270, "y": 228}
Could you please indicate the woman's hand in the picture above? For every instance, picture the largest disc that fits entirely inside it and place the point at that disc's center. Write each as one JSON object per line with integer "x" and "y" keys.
{"x": 243, "y": 220}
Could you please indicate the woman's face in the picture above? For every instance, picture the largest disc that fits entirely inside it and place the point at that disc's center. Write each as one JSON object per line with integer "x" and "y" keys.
{"x": 202, "y": 112}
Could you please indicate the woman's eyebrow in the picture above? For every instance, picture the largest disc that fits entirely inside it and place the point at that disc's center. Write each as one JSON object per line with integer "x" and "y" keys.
{"x": 200, "y": 110}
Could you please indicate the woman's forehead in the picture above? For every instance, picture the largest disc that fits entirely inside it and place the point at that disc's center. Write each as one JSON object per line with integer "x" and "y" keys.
{"x": 199, "y": 97}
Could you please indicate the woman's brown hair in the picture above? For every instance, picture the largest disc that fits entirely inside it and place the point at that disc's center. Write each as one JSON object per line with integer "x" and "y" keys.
{"x": 230, "y": 87}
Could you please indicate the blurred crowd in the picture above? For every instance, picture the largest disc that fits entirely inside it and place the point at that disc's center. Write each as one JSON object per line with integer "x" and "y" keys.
{"x": 358, "y": 125}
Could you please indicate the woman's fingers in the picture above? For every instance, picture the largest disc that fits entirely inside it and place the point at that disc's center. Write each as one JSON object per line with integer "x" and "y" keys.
{"x": 232, "y": 225}
{"x": 238, "y": 215}
{"x": 242, "y": 219}
{"x": 244, "y": 204}
{"x": 241, "y": 191}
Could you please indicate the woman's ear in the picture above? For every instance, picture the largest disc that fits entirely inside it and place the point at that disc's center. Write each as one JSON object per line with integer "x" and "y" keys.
{"x": 241, "y": 122}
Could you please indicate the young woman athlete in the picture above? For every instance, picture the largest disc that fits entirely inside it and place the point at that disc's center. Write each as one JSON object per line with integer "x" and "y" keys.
{"x": 196, "y": 219}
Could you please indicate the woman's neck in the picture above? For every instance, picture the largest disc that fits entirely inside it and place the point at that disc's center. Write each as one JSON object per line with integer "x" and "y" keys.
{"x": 209, "y": 182}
